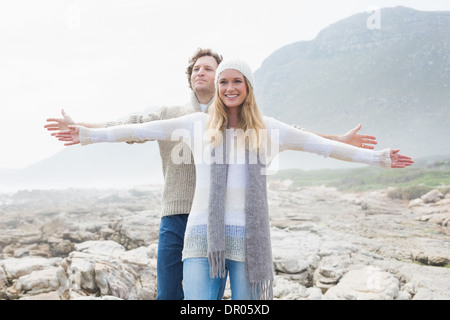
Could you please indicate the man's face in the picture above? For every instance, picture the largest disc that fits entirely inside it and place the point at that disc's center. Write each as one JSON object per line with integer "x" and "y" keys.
{"x": 203, "y": 74}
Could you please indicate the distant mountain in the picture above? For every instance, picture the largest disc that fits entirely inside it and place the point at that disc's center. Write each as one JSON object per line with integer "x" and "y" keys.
{"x": 394, "y": 80}
{"x": 103, "y": 165}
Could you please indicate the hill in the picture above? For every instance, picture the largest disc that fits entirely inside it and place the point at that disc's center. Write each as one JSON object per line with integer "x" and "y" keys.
{"x": 394, "y": 80}
{"x": 99, "y": 166}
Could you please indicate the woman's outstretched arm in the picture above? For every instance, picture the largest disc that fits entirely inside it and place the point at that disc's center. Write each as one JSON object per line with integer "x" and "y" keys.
{"x": 154, "y": 130}
{"x": 294, "y": 139}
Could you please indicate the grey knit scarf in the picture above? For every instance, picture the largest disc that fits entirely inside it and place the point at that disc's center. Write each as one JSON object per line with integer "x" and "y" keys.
{"x": 258, "y": 262}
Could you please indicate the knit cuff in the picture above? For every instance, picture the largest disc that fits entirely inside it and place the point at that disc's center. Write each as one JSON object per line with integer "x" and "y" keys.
{"x": 89, "y": 136}
{"x": 84, "y": 136}
{"x": 385, "y": 159}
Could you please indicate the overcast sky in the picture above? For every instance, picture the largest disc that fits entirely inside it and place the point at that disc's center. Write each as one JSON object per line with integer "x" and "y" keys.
{"x": 103, "y": 59}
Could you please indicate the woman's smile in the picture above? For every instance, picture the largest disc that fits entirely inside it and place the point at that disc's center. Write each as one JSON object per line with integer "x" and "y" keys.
{"x": 232, "y": 88}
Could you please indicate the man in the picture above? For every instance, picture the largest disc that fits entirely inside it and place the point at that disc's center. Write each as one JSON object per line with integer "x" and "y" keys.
{"x": 179, "y": 179}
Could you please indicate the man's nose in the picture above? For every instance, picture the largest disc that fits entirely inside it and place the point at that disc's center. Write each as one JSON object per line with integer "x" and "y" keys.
{"x": 201, "y": 72}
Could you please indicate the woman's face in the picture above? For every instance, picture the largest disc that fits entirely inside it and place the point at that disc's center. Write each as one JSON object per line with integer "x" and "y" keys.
{"x": 232, "y": 88}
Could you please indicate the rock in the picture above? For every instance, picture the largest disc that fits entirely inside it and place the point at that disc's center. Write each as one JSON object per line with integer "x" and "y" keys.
{"x": 432, "y": 196}
{"x": 60, "y": 247}
{"x": 3, "y": 284}
{"x": 368, "y": 283}
{"x": 427, "y": 294}
{"x": 437, "y": 218}
{"x": 329, "y": 272}
{"x": 42, "y": 296}
{"x": 416, "y": 203}
{"x": 375, "y": 203}
{"x": 424, "y": 282}
{"x": 28, "y": 275}
{"x": 288, "y": 290}
{"x": 16, "y": 268}
{"x": 105, "y": 268}
{"x": 288, "y": 259}
{"x": 137, "y": 230}
{"x": 285, "y": 289}
{"x": 38, "y": 282}
{"x": 102, "y": 245}
{"x": 280, "y": 185}
{"x": 101, "y": 248}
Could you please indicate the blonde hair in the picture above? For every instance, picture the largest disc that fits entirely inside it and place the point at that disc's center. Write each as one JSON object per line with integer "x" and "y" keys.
{"x": 250, "y": 119}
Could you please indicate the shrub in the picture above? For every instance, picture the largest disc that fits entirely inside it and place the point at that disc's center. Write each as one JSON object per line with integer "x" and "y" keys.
{"x": 408, "y": 193}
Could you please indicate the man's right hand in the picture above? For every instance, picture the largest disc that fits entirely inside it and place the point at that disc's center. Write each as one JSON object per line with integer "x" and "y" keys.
{"x": 59, "y": 124}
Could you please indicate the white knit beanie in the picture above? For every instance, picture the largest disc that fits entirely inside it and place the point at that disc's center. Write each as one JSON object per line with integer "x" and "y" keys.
{"x": 236, "y": 64}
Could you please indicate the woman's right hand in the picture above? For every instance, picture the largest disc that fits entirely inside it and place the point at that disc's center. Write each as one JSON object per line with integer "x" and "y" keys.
{"x": 59, "y": 124}
{"x": 72, "y": 135}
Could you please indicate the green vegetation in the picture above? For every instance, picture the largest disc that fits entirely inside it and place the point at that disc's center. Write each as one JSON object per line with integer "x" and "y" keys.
{"x": 408, "y": 183}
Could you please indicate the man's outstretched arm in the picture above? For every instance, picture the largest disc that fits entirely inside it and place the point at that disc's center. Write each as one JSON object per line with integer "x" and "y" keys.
{"x": 62, "y": 124}
{"x": 352, "y": 137}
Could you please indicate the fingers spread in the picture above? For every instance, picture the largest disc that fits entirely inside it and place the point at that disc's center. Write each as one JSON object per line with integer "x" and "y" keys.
{"x": 400, "y": 161}
{"x": 369, "y": 137}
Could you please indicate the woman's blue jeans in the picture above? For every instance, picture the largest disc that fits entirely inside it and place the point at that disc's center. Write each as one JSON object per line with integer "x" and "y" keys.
{"x": 169, "y": 265}
{"x": 199, "y": 286}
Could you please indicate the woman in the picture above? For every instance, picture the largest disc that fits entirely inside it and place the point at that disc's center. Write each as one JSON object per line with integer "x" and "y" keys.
{"x": 228, "y": 229}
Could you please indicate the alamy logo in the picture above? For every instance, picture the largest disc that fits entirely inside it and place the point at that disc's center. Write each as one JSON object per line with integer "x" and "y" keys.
{"x": 374, "y": 20}
{"x": 73, "y": 18}
{"x": 198, "y": 144}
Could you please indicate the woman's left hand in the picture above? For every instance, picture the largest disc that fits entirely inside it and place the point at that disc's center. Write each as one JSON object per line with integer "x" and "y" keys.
{"x": 400, "y": 161}
{"x": 71, "y": 136}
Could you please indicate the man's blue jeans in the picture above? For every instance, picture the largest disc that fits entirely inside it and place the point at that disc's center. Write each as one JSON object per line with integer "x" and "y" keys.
{"x": 169, "y": 278}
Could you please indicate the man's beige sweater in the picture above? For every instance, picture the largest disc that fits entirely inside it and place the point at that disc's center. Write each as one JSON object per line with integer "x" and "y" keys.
{"x": 179, "y": 179}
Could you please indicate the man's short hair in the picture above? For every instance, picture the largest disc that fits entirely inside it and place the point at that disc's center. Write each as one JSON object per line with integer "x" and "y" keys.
{"x": 198, "y": 54}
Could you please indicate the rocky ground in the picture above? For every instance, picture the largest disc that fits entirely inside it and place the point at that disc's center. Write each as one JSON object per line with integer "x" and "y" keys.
{"x": 101, "y": 244}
